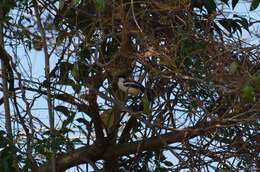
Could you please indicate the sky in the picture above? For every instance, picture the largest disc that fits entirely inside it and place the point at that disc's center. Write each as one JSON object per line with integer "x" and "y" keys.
{"x": 37, "y": 59}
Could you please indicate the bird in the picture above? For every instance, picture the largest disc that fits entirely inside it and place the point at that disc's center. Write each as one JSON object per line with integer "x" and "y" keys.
{"x": 130, "y": 86}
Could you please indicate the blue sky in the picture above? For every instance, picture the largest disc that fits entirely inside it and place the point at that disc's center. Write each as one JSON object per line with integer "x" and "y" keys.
{"x": 37, "y": 59}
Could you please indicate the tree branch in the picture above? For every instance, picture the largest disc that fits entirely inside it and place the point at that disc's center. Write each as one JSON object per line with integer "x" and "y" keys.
{"x": 86, "y": 154}
{"x": 105, "y": 152}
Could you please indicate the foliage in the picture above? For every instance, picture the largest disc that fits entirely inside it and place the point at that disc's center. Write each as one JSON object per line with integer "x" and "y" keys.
{"x": 200, "y": 108}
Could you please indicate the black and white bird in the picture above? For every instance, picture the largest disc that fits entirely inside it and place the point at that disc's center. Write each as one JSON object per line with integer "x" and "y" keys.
{"x": 130, "y": 86}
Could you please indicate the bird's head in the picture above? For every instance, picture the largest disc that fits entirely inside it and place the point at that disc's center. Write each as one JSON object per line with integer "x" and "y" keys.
{"x": 121, "y": 79}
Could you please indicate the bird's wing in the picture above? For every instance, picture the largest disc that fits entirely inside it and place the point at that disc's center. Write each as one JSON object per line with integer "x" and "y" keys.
{"x": 134, "y": 84}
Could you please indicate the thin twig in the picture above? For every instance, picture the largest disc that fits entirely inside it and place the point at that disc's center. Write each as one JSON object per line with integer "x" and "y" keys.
{"x": 133, "y": 13}
{"x": 47, "y": 76}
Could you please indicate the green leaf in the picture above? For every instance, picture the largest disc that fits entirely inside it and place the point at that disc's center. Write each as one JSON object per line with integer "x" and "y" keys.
{"x": 210, "y": 5}
{"x": 233, "y": 67}
{"x": 243, "y": 21}
{"x": 168, "y": 163}
{"x": 217, "y": 28}
{"x": 62, "y": 36}
{"x": 100, "y": 5}
{"x": 76, "y": 87}
{"x": 6, "y": 6}
{"x": 83, "y": 120}
{"x": 108, "y": 118}
{"x": 75, "y": 72}
{"x": 61, "y": 4}
{"x": 161, "y": 169}
{"x": 84, "y": 52}
{"x": 254, "y": 4}
{"x": 2, "y": 133}
{"x": 64, "y": 69}
{"x": 256, "y": 81}
{"x": 76, "y": 140}
{"x": 75, "y": 2}
{"x": 63, "y": 110}
{"x": 146, "y": 105}
{"x": 226, "y": 2}
{"x": 69, "y": 120}
{"x": 7, "y": 158}
{"x": 236, "y": 27}
{"x": 234, "y": 3}
{"x": 3, "y": 139}
{"x": 226, "y": 23}
{"x": 83, "y": 71}
{"x": 232, "y": 25}
{"x": 248, "y": 92}
{"x": 137, "y": 125}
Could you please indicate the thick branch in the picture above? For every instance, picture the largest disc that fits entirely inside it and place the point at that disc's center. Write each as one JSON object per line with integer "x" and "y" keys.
{"x": 7, "y": 76}
{"x": 4, "y": 66}
{"x": 86, "y": 154}
{"x": 154, "y": 143}
{"x": 106, "y": 152}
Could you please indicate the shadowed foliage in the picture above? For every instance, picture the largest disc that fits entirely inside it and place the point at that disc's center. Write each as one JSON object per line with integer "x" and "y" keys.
{"x": 199, "y": 110}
